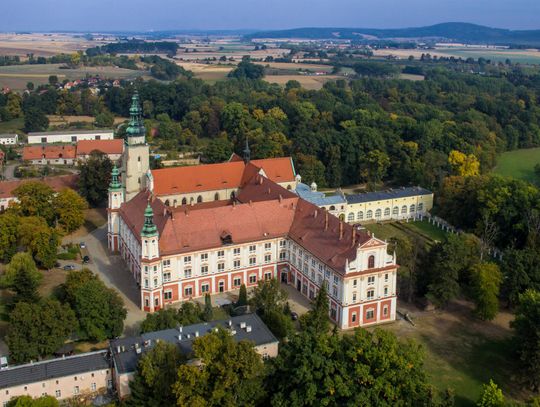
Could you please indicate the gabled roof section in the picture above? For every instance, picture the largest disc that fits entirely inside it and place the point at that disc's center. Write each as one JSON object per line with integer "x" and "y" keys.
{"x": 51, "y": 152}
{"x": 277, "y": 169}
{"x": 260, "y": 188}
{"x": 56, "y": 183}
{"x": 114, "y": 146}
{"x": 132, "y": 212}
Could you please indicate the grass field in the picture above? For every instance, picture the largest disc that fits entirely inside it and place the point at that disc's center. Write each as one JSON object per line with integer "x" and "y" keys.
{"x": 12, "y": 126}
{"x": 16, "y": 76}
{"x": 519, "y": 164}
{"x": 423, "y": 229}
{"x": 308, "y": 82}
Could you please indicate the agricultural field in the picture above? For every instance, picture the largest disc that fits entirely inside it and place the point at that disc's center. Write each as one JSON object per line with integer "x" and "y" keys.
{"x": 16, "y": 76}
{"x": 293, "y": 66}
{"x": 310, "y": 82}
{"x": 43, "y": 44}
{"x": 519, "y": 164}
{"x": 207, "y": 72}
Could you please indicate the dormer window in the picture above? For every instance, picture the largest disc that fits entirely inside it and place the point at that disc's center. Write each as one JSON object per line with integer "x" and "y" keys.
{"x": 226, "y": 238}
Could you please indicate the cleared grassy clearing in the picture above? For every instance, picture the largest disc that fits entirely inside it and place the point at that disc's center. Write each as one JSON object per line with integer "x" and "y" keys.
{"x": 519, "y": 164}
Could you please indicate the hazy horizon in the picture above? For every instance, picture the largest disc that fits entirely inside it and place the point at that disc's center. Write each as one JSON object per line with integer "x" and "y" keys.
{"x": 133, "y": 15}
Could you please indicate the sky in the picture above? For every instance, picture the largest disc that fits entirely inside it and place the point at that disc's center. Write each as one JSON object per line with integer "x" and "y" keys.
{"x": 146, "y": 15}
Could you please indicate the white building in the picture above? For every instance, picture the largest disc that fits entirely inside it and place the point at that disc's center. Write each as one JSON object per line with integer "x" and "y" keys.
{"x": 9, "y": 139}
{"x": 69, "y": 136}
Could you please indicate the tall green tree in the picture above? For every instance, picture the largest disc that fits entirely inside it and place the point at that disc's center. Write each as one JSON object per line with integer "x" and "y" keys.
{"x": 152, "y": 385}
{"x": 270, "y": 303}
{"x": 231, "y": 374}
{"x": 187, "y": 314}
{"x": 208, "y": 312}
{"x": 94, "y": 178}
{"x": 35, "y": 199}
{"x": 8, "y": 235}
{"x": 373, "y": 166}
{"x": 316, "y": 320}
{"x": 242, "y": 296}
{"x": 486, "y": 280}
{"x": 23, "y": 277}
{"x": 35, "y": 120}
{"x": 492, "y": 396}
{"x": 527, "y": 337}
{"x": 69, "y": 207}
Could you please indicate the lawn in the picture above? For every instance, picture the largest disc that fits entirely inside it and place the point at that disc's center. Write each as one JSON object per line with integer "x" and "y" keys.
{"x": 423, "y": 227}
{"x": 11, "y": 126}
{"x": 462, "y": 352}
{"x": 519, "y": 164}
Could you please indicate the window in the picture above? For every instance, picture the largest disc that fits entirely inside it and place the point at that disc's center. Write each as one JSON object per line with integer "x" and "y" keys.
{"x": 371, "y": 261}
{"x": 283, "y": 256}
{"x": 204, "y": 257}
{"x": 237, "y": 282}
{"x": 412, "y": 208}
{"x": 99, "y": 138}
{"x": 236, "y": 251}
{"x": 378, "y": 214}
{"x": 221, "y": 266}
{"x": 360, "y": 215}
{"x": 355, "y": 283}
{"x": 334, "y": 291}
{"x": 353, "y": 317}
{"x": 336, "y": 279}
{"x": 395, "y": 211}
{"x": 370, "y": 294}
{"x": 204, "y": 270}
{"x": 145, "y": 283}
{"x": 93, "y": 387}
{"x": 221, "y": 254}
{"x": 371, "y": 280}
{"x": 187, "y": 273}
{"x": 58, "y": 393}
{"x": 386, "y": 277}
{"x": 188, "y": 291}
{"x": 385, "y": 291}
{"x": 155, "y": 282}
{"x": 385, "y": 310}
{"x": 268, "y": 276}
{"x": 282, "y": 243}
{"x": 187, "y": 259}
{"x": 369, "y": 214}
{"x": 167, "y": 263}
{"x": 253, "y": 279}
{"x": 76, "y": 390}
{"x": 145, "y": 269}
{"x": 167, "y": 295}
{"x": 42, "y": 384}
{"x": 354, "y": 297}
{"x": 387, "y": 212}
{"x": 166, "y": 277}
{"x": 370, "y": 314}
{"x": 267, "y": 246}
{"x": 252, "y": 248}
{"x": 404, "y": 210}
{"x": 236, "y": 264}
{"x": 420, "y": 207}
{"x": 184, "y": 201}
{"x": 350, "y": 217}
{"x": 252, "y": 261}
{"x": 267, "y": 258}
{"x": 205, "y": 288}
{"x": 44, "y": 139}
{"x": 167, "y": 203}
{"x": 216, "y": 196}
{"x": 199, "y": 199}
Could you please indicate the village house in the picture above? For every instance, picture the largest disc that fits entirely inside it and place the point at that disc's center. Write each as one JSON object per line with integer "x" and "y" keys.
{"x": 9, "y": 139}
{"x": 68, "y": 136}
{"x": 49, "y": 155}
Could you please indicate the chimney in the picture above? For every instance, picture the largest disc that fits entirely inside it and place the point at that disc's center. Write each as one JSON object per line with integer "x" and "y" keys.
{"x": 269, "y": 191}
{"x": 250, "y": 202}
{"x": 280, "y": 198}
{"x": 234, "y": 204}
{"x": 353, "y": 237}
{"x": 325, "y": 221}
{"x": 315, "y": 213}
{"x": 340, "y": 230}
{"x": 260, "y": 180}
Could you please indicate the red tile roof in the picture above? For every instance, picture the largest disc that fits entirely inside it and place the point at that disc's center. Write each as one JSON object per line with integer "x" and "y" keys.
{"x": 48, "y": 152}
{"x": 56, "y": 183}
{"x": 115, "y": 146}
{"x": 209, "y": 177}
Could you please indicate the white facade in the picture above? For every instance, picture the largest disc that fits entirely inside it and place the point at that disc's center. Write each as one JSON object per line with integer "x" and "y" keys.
{"x": 69, "y": 136}
{"x": 9, "y": 139}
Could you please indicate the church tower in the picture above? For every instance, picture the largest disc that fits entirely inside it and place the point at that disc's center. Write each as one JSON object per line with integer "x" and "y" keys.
{"x": 135, "y": 162}
{"x": 116, "y": 198}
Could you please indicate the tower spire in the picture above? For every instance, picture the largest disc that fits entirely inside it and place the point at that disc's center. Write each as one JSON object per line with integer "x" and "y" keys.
{"x": 115, "y": 182}
{"x": 149, "y": 227}
{"x": 135, "y": 131}
{"x": 247, "y": 152}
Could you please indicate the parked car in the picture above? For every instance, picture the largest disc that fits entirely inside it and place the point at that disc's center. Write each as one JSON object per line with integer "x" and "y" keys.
{"x": 82, "y": 245}
{"x": 294, "y": 316}
{"x": 86, "y": 259}
{"x": 69, "y": 267}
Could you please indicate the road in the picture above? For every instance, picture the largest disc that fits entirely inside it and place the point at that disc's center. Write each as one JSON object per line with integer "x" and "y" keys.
{"x": 114, "y": 273}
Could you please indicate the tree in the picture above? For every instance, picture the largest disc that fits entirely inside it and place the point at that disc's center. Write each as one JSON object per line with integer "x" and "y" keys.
{"x": 526, "y": 327}
{"x": 38, "y": 329}
{"x": 316, "y": 320}
{"x": 35, "y": 199}
{"x": 231, "y": 373}
{"x": 53, "y": 80}
{"x": 23, "y": 277}
{"x": 208, "y": 312}
{"x": 312, "y": 169}
{"x": 156, "y": 373}
{"x": 35, "y": 120}
{"x": 187, "y": 314}
{"x": 104, "y": 119}
{"x": 364, "y": 369}
{"x": 8, "y": 235}
{"x": 373, "y": 166}
{"x": 247, "y": 70}
{"x": 486, "y": 281}
{"x": 30, "y": 86}
{"x": 218, "y": 150}
{"x": 464, "y": 165}
{"x": 242, "y": 296}
{"x": 269, "y": 301}
{"x": 94, "y": 178}
{"x": 492, "y": 396}
{"x": 27, "y": 401}
{"x": 35, "y": 236}
{"x": 69, "y": 207}
{"x": 14, "y": 105}
{"x": 100, "y": 310}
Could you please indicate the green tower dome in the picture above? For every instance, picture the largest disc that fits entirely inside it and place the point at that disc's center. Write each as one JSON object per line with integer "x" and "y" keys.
{"x": 115, "y": 181}
{"x": 136, "y": 126}
{"x": 149, "y": 228}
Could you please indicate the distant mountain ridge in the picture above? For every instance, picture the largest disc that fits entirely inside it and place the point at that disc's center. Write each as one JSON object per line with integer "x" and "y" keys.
{"x": 462, "y": 32}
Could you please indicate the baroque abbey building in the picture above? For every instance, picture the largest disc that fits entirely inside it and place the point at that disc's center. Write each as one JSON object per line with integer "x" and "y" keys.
{"x": 188, "y": 231}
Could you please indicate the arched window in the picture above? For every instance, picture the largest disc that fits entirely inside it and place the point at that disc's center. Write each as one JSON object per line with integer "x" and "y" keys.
{"x": 412, "y": 209}
{"x": 350, "y": 217}
{"x": 289, "y": 187}
{"x": 395, "y": 211}
{"x": 371, "y": 262}
{"x": 360, "y": 215}
{"x": 420, "y": 207}
{"x": 378, "y": 214}
{"x": 216, "y": 197}
{"x": 387, "y": 212}
{"x": 404, "y": 210}
{"x": 332, "y": 208}
{"x": 369, "y": 214}
{"x": 199, "y": 199}
{"x": 167, "y": 203}
{"x": 184, "y": 201}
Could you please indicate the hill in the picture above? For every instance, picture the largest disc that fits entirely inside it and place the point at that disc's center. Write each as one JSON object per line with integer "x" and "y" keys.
{"x": 462, "y": 32}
